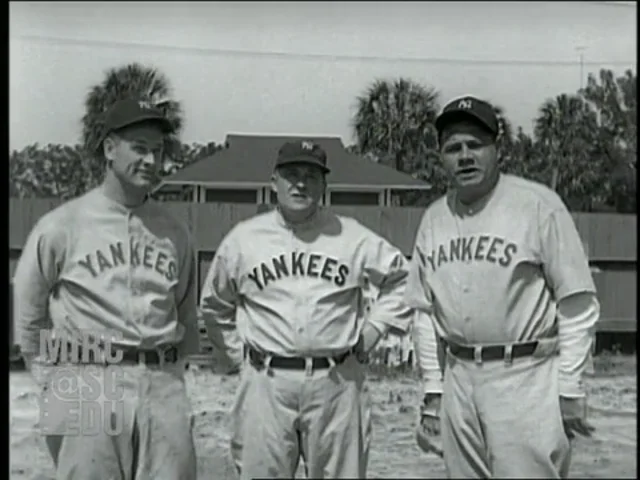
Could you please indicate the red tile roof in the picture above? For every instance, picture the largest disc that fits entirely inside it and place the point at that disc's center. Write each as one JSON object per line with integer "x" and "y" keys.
{"x": 249, "y": 159}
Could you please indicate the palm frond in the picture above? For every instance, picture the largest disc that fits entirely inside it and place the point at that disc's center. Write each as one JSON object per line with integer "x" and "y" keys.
{"x": 130, "y": 81}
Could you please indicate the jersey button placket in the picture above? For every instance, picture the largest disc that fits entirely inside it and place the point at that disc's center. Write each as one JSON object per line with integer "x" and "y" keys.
{"x": 464, "y": 309}
{"x": 298, "y": 321}
{"x": 299, "y": 310}
{"x": 468, "y": 324}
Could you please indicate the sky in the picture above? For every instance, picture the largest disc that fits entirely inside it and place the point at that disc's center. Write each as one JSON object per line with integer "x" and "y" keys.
{"x": 296, "y": 68}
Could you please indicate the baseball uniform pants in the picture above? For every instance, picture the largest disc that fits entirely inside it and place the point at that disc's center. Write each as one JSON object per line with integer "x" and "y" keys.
{"x": 503, "y": 420}
{"x": 316, "y": 415}
{"x": 122, "y": 422}
{"x": 238, "y": 415}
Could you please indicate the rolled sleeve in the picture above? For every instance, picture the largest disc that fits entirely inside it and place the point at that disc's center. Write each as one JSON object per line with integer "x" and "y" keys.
{"x": 429, "y": 352}
{"x": 567, "y": 271}
{"x": 578, "y": 315}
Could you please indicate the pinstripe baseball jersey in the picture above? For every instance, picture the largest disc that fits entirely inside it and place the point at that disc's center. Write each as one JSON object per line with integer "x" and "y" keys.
{"x": 297, "y": 290}
{"x": 93, "y": 265}
{"x": 495, "y": 276}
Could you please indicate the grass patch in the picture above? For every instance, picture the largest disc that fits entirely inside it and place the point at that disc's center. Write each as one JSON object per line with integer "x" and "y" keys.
{"x": 377, "y": 372}
{"x": 614, "y": 364}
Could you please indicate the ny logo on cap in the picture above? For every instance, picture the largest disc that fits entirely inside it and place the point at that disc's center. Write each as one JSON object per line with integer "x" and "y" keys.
{"x": 306, "y": 145}
{"x": 145, "y": 105}
{"x": 465, "y": 104}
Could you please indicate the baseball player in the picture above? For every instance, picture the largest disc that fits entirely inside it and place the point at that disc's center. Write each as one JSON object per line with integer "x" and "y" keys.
{"x": 238, "y": 412}
{"x": 500, "y": 270}
{"x": 113, "y": 266}
{"x": 293, "y": 277}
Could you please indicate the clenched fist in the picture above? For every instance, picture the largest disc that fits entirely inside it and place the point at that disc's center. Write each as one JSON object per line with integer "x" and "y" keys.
{"x": 574, "y": 417}
{"x": 428, "y": 431}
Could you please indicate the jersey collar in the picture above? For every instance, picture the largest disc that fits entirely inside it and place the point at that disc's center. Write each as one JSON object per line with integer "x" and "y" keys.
{"x": 313, "y": 221}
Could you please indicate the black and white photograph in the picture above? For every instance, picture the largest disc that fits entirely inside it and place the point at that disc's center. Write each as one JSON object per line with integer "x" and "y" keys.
{"x": 322, "y": 240}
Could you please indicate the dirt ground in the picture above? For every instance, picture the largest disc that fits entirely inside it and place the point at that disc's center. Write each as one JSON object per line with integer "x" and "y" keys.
{"x": 611, "y": 453}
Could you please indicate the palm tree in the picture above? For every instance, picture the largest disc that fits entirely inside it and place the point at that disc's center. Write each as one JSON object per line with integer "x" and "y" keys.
{"x": 615, "y": 100}
{"x": 566, "y": 132}
{"x": 136, "y": 81}
{"x": 394, "y": 121}
{"x": 394, "y": 124}
{"x": 523, "y": 159}
{"x": 505, "y": 140}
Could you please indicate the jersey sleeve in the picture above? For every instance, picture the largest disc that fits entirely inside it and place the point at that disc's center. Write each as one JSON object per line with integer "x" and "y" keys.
{"x": 577, "y": 318}
{"x": 187, "y": 297}
{"x": 219, "y": 300}
{"x": 567, "y": 271}
{"x": 417, "y": 293}
{"x": 386, "y": 269}
{"x": 35, "y": 278}
{"x": 565, "y": 263}
{"x": 429, "y": 352}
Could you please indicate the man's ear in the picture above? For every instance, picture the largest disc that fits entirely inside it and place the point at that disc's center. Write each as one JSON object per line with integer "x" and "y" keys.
{"x": 273, "y": 182}
{"x": 109, "y": 147}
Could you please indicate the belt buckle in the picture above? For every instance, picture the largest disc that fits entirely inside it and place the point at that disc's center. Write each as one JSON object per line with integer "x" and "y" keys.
{"x": 257, "y": 359}
{"x": 477, "y": 354}
{"x": 167, "y": 355}
{"x": 308, "y": 366}
{"x": 508, "y": 354}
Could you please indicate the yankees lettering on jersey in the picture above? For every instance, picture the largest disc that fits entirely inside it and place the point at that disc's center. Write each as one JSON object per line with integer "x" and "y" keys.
{"x": 302, "y": 264}
{"x": 475, "y": 248}
{"x": 108, "y": 267}
{"x": 148, "y": 256}
{"x": 300, "y": 292}
{"x": 494, "y": 277}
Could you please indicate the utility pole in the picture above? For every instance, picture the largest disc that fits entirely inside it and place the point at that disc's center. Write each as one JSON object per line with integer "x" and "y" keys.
{"x": 580, "y": 49}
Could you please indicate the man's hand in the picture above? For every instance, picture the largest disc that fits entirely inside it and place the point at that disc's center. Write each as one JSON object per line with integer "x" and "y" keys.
{"x": 574, "y": 416}
{"x": 428, "y": 431}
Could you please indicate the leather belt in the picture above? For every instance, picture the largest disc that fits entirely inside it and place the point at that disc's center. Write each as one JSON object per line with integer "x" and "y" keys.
{"x": 492, "y": 352}
{"x": 124, "y": 355}
{"x": 295, "y": 363}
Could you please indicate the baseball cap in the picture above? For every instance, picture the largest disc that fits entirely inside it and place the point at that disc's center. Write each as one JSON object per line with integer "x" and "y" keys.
{"x": 304, "y": 151}
{"x": 470, "y": 108}
{"x": 130, "y": 111}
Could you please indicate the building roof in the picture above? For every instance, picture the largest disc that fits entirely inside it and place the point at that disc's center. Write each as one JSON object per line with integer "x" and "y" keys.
{"x": 248, "y": 161}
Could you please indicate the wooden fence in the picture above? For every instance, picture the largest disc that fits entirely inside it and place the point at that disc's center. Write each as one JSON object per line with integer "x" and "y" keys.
{"x": 610, "y": 240}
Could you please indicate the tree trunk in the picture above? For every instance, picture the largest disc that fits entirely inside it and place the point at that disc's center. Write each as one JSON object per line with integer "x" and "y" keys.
{"x": 554, "y": 178}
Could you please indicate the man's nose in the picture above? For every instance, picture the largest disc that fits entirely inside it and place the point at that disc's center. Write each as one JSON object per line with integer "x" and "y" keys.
{"x": 149, "y": 158}
{"x": 465, "y": 159}
{"x": 465, "y": 162}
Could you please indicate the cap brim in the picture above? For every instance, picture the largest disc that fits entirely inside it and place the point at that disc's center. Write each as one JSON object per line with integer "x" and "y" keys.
{"x": 303, "y": 161}
{"x": 454, "y": 116}
{"x": 164, "y": 123}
